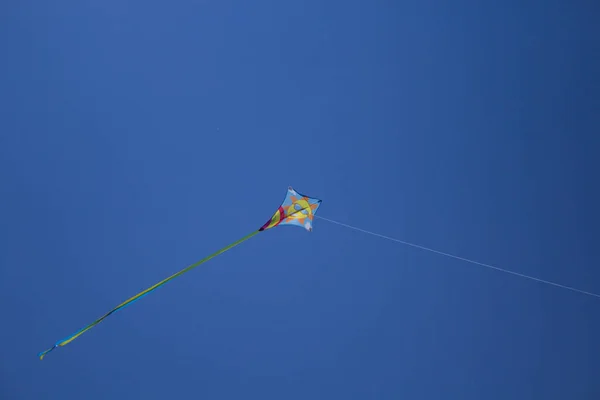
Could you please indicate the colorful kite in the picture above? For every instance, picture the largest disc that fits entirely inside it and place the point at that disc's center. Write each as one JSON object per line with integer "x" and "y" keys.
{"x": 296, "y": 209}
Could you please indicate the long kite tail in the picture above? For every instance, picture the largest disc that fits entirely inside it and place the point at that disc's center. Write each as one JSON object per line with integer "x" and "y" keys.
{"x": 138, "y": 296}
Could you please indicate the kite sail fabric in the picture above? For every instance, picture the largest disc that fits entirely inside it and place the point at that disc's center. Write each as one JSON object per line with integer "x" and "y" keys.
{"x": 296, "y": 209}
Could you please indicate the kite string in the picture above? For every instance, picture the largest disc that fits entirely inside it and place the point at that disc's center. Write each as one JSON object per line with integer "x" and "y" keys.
{"x": 462, "y": 258}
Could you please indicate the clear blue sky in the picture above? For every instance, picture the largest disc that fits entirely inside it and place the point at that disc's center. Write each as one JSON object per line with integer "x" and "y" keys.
{"x": 138, "y": 137}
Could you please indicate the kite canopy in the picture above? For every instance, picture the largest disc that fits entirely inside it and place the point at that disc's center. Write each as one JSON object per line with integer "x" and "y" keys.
{"x": 296, "y": 209}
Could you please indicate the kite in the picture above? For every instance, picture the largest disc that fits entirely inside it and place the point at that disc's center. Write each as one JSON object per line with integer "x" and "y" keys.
{"x": 296, "y": 209}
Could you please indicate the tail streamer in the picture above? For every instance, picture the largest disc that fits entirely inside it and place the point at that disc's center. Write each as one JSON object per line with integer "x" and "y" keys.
{"x": 138, "y": 296}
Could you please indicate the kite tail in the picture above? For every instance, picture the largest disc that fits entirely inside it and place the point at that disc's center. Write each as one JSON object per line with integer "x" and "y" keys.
{"x": 138, "y": 296}
{"x": 42, "y": 354}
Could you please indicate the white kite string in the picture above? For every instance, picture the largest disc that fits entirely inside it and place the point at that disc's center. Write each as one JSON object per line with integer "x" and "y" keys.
{"x": 461, "y": 258}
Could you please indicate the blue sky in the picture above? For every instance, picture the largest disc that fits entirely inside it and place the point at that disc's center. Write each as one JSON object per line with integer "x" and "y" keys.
{"x": 139, "y": 137}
